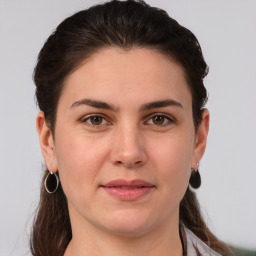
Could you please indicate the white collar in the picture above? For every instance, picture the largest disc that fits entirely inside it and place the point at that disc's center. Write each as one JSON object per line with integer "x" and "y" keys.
{"x": 193, "y": 241}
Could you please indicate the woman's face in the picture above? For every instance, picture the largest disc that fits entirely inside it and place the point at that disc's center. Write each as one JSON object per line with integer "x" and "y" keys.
{"x": 124, "y": 141}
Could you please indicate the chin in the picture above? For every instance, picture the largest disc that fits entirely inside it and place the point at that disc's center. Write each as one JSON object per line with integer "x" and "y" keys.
{"x": 129, "y": 232}
{"x": 129, "y": 224}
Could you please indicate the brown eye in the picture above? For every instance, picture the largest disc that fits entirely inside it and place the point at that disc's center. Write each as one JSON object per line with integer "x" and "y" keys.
{"x": 95, "y": 120}
{"x": 158, "y": 120}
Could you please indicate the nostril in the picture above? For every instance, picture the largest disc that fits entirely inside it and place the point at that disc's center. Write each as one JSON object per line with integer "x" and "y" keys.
{"x": 128, "y": 163}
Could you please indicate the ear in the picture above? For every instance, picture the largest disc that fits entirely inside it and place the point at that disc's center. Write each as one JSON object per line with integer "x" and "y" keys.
{"x": 46, "y": 142}
{"x": 201, "y": 138}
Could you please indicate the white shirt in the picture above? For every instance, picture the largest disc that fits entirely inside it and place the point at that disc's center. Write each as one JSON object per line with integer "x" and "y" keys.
{"x": 193, "y": 240}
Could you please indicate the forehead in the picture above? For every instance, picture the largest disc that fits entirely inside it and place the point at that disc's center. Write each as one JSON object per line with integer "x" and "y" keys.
{"x": 114, "y": 74}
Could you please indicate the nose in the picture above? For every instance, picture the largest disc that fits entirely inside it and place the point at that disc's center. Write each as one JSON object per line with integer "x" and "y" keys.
{"x": 128, "y": 148}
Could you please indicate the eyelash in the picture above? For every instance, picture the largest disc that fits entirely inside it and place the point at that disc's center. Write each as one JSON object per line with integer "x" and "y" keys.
{"x": 88, "y": 117}
{"x": 167, "y": 120}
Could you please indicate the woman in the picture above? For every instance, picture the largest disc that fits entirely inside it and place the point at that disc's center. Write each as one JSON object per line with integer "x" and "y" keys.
{"x": 122, "y": 129}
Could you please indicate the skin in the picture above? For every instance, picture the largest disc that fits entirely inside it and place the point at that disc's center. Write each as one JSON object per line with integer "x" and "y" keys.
{"x": 158, "y": 145}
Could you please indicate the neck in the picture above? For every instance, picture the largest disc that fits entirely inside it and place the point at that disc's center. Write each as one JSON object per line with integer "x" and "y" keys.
{"x": 90, "y": 240}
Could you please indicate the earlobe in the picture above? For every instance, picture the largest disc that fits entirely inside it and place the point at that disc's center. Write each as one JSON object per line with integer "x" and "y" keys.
{"x": 46, "y": 142}
{"x": 201, "y": 138}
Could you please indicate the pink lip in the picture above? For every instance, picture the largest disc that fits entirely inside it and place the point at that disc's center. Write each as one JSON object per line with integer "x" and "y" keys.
{"x": 128, "y": 190}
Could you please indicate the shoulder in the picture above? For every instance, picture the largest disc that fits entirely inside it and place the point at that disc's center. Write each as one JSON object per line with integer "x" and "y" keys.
{"x": 193, "y": 241}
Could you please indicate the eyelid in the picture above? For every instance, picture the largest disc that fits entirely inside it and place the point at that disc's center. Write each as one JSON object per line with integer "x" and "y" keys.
{"x": 85, "y": 118}
{"x": 170, "y": 118}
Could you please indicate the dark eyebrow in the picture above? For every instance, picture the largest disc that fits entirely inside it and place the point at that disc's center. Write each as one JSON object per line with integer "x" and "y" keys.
{"x": 147, "y": 106}
{"x": 160, "y": 104}
{"x": 94, "y": 104}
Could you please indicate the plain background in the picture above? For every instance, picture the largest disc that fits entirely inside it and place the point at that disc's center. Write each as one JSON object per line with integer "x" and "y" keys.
{"x": 226, "y": 31}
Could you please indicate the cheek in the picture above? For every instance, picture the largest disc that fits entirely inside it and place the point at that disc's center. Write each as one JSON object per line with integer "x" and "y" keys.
{"x": 173, "y": 159}
{"x": 174, "y": 152}
{"x": 79, "y": 162}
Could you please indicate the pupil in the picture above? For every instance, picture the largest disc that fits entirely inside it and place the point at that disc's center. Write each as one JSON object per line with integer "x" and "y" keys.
{"x": 96, "y": 120}
{"x": 158, "y": 120}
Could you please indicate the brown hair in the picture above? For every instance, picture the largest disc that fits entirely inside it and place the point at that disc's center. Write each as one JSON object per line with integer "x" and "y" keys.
{"x": 124, "y": 24}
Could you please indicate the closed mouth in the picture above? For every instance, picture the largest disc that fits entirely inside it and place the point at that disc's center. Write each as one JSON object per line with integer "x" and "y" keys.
{"x": 128, "y": 190}
{"x": 126, "y": 184}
